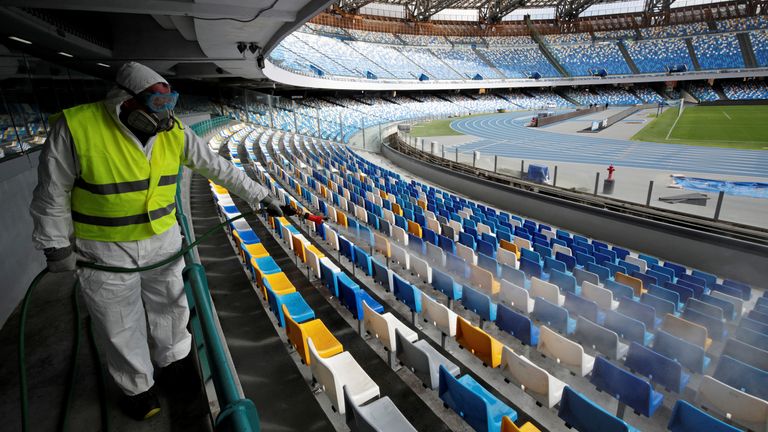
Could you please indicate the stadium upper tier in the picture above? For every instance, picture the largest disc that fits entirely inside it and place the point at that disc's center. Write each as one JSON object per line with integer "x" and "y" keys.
{"x": 329, "y": 52}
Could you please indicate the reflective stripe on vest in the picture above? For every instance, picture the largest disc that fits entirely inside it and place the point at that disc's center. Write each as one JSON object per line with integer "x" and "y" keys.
{"x": 120, "y": 194}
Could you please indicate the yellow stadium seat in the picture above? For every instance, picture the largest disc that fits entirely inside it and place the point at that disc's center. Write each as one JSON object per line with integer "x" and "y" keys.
{"x": 396, "y": 209}
{"x": 298, "y": 248}
{"x": 510, "y": 247}
{"x": 255, "y": 250}
{"x": 278, "y": 283}
{"x": 694, "y": 333}
{"x": 414, "y": 228}
{"x": 325, "y": 342}
{"x": 341, "y": 218}
{"x": 316, "y": 251}
{"x": 478, "y": 342}
{"x": 635, "y": 283}
{"x": 508, "y": 426}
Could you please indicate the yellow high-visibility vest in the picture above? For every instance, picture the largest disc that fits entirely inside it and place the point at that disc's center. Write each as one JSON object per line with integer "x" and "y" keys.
{"x": 120, "y": 195}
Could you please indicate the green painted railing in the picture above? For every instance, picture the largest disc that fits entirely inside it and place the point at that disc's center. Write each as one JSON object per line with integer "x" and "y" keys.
{"x": 237, "y": 414}
{"x": 202, "y": 128}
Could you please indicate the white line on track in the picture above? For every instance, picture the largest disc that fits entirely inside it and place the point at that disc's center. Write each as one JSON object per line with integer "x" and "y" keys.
{"x": 726, "y": 114}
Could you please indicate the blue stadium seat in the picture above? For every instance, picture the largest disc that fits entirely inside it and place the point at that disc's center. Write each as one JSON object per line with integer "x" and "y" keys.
{"x": 582, "y": 275}
{"x": 297, "y": 306}
{"x": 330, "y": 279}
{"x": 445, "y": 284}
{"x": 753, "y": 325}
{"x": 476, "y": 405}
{"x": 627, "y": 328}
{"x": 363, "y": 261}
{"x": 478, "y": 303}
{"x": 665, "y": 294}
{"x": 756, "y": 339}
{"x": 352, "y": 297}
{"x": 569, "y": 261}
{"x": 582, "y": 414}
{"x": 530, "y": 268}
{"x": 641, "y": 312}
{"x": 746, "y": 290}
{"x": 380, "y": 274}
{"x": 716, "y": 327}
{"x": 580, "y": 306}
{"x": 565, "y": 282}
{"x": 746, "y": 353}
{"x": 553, "y": 264}
{"x": 620, "y": 291}
{"x": 554, "y": 316}
{"x": 660, "y": 369}
{"x": 518, "y": 325}
{"x": 661, "y": 306}
{"x": 742, "y": 376}
{"x": 407, "y": 294}
{"x": 602, "y": 272}
{"x": 689, "y": 355}
{"x": 629, "y": 389}
{"x": 709, "y": 279}
{"x": 758, "y": 316}
{"x": 684, "y": 292}
{"x": 687, "y": 418}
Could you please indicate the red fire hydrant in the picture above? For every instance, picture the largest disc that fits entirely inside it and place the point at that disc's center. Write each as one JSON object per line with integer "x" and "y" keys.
{"x": 609, "y": 182}
{"x": 611, "y": 169}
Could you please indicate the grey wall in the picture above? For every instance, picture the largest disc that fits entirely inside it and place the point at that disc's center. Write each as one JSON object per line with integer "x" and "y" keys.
{"x": 743, "y": 261}
{"x": 19, "y": 262}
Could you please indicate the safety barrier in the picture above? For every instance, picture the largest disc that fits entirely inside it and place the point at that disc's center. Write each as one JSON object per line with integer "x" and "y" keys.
{"x": 237, "y": 414}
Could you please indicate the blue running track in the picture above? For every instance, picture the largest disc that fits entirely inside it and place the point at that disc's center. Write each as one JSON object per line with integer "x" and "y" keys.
{"x": 506, "y": 135}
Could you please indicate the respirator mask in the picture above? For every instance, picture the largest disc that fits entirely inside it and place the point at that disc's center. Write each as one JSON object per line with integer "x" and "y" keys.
{"x": 158, "y": 116}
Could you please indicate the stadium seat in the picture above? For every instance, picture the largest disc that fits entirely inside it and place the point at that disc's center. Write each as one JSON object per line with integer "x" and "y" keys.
{"x": 553, "y": 316}
{"x": 687, "y": 418}
{"x": 546, "y": 290}
{"x": 298, "y": 333}
{"x": 516, "y": 297}
{"x": 278, "y": 283}
{"x": 537, "y": 382}
{"x": 297, "y": 307}
{"x": 741, "y": 408}
{"x": 706, "y": 308}
{"x": 627, "y": 328}
{"x": 599, "y": 338}
{"x": 716, "y": 327}
{"x": 383, "y": 326}
{"x": 641, "y": 312}
{"x": 660, "y": 306}
{"x": 439, "y": 316}
{"x": 445, "y": 284}
{"x": 335, "y": 372}
{"x": 742, "y": 376}
{"x": 632, "y": 282}
{"x": 580, "y": 306}
{"x": 423, "y": 360}
{"x": 566, "y": 352}
{"x": 603, "y": 297}
{"x": 380, "y": 415}
{"x": 658, "y": 368}
{"x": 684, "y": 329}
{"x": 629, "y": 389}
{"x": 582, "y": 414}
{"x": 508, "y": 425}
{"x": 518, "y": 325}
{"x": 689, "y": 355}
{"x": 352, "y": 297}
{"x": 483, "y": 279}
{"x": 476, "y": 405}
{"x": 751, "y": 337}
{"x": 478, "y": 342}
{"x": 479, "y": 303}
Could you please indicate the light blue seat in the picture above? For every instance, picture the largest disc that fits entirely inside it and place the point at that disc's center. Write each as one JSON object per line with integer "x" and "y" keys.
{"x": 627, "y": 328}
{"x": 297, "y": 306}
{"x": 729, "y": 310}
{"x": 352, "y": 297}
{"x": 641, "y": 312}
{"x": 476, "y": 405}
{"x": 666, "y": 294}
{"x": 687, "y": 418}
{"x": 554, "y": 316}
{"x": 518, "y": 325}
{"x": 660, "y": 369}
{"x": 363, "y": 261}
{"x": 479, "y": 303}
{"x": 553, "y": 264}
{"x": 629, "y": 389}
{"x": 582, "y": 414}
{"x": 603, "y": 273}
{"x": 689, "y": 355}
{"x": 742, "y": 376}
{"x": 684, "y": 292}
{"x": 444, "y": 283}
{"x": 580, "y": 306}
{"x": 620, "y": 291}
{"x": 407, "y": 294}
{"x": 753, "y": 325}
{"x": 267, "y": 266}
{"x": 565, "y": 282}
{"x": 330, "y": 278}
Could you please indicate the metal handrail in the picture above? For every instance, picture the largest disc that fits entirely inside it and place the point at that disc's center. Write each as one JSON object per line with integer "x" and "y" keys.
{"x": 238, "y": 414}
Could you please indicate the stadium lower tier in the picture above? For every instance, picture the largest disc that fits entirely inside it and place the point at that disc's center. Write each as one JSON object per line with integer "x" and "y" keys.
{"x": 508, "y": 323}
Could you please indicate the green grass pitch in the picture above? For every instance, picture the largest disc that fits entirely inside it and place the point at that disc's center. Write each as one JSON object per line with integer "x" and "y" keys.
{"x": 743, "y": 127}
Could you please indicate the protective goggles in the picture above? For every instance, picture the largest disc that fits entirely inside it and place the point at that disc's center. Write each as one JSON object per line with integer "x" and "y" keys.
{"x": 159, "y": 102}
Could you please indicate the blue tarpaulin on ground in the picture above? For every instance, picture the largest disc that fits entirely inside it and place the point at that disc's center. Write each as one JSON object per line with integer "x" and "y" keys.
{"x": 750, "y": 189}
{"x": 537, "y": 173}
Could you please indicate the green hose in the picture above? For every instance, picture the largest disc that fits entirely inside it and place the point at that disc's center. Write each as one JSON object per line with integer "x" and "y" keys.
{"x": 23, "y": 324}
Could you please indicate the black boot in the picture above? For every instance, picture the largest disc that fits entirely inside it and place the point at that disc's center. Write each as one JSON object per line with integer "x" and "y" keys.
{"x": 141, "y": 406}
{"x": 181, "y": 377}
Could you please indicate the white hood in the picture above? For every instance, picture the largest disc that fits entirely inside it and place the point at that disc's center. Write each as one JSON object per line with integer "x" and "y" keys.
{"x": 133, "y": 76}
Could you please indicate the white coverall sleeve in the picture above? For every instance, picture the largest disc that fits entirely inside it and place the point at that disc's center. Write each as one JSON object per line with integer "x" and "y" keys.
{"x": 201, "y": 159}
{"x": 51, "y": 199}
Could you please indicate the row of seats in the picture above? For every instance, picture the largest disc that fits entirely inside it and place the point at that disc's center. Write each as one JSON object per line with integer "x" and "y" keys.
{"x": 412, "y": 228}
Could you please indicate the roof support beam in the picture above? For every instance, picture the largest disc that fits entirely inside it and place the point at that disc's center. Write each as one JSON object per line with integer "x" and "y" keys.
{"x": 656, "y": 12}
{"x": 567, "y": 11}
{"x": 494, "y": 10}
{"x": 352, "y": 6}
{"x": 423, "y": 10}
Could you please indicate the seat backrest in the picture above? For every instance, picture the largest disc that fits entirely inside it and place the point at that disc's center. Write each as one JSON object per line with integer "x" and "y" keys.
{"x": 624, "y": 386}
{"x": 400, "y": 255}
{"x": 381, "y": 244}
{"x": 376, "y": 325}
{"x": 324, "y": 375}
{"x": 626, "y": 327}
{"x": 514, "y": 296}
{"x": 661, "y": 306}
{"x": 637, "y": 261}
{"x": 546, "y": 290}
{"x": 478, "y": 303}
{"x": 413, "y": 358}
{"x": 314, "y": 262}
{"x": 516, "y": 324}
{"x": 582, "y": 276}
{"x": 444, "y": 283}
{"x": 706, "y": 308}
{"x": 482, "y": 279}
{"x": 506, "y": 257}
{"x": 584, "y": 415}
{"x": 551, "y": 315}
{"x": 639, "y": 311}
{"x": 689, "y": 355}
{"x": 381, "y": 274}
{"x": 475, "y": 340}
{"x": 565, "y": 282}
{"x": 529, "y": 267}
{"x": 421, "y": 268}
{"x": 598, "y": 294}
{"x": 601, "y": 339}
{"x": 580, "y": 306}
{"x": 408, "y": 294}
{"x": 742, "y": 376}
{"x": 619, "y": 290}
{"x": 660, "y": 369}
{"x": 742, "y": 408}
{"x": 523, "y": 372}
{"x": 687, "y": 418}
{"x": 439, "y": 315}
{"x": 559, "y": 347}
{"x": 633, "y": 282}
{"x": 471, "y": 406}
{"x": 467, "y": 253}
{"x": 746, "y": 352}
{"x": 684, "y": 329}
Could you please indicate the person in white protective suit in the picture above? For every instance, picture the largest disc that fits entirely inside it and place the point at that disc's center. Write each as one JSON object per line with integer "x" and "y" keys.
{"x": 107, "y": 178}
